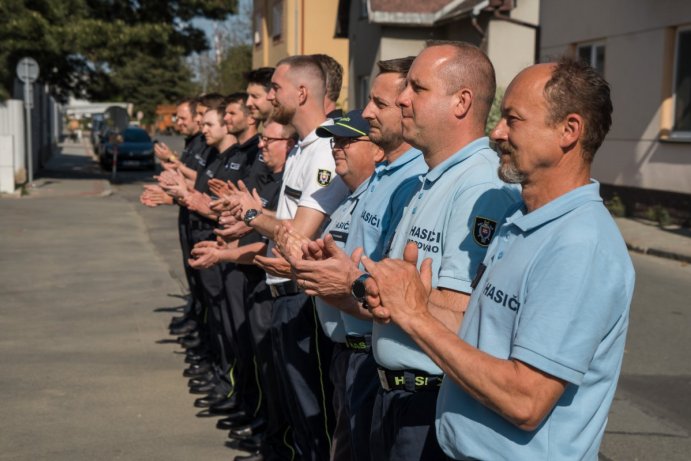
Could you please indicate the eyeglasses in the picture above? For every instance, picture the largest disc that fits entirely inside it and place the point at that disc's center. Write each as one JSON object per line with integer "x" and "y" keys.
{"x": 343, "y": 143}
{"x": 267, "y": 140}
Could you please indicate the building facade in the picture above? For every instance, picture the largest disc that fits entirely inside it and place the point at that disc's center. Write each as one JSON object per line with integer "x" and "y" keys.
{"x": 643, "y": 49}
{"x": 282, "y": 28}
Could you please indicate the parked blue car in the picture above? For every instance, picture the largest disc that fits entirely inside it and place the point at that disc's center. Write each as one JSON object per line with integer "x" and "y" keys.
{"x": 136, "y": 150}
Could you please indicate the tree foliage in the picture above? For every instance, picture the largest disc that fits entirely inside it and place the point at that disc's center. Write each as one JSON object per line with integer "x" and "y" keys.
{"x": 106, "y": 49}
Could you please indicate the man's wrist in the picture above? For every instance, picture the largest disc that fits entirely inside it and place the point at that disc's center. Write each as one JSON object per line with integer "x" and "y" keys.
{"x": 250, "y": 215}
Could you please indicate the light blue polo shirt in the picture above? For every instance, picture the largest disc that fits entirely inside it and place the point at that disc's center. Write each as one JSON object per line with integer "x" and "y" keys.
{"x": 338, "y": 225}
{"x": 555, "y": 294}
{"x": 378, "y": 213}
{"x": 451, "y": 218}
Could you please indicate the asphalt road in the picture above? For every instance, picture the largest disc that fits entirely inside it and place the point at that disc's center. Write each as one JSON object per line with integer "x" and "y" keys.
{"x": 86, "y": 290}
{"x": 88, "y": 284}
{"x": 651, "y": 415}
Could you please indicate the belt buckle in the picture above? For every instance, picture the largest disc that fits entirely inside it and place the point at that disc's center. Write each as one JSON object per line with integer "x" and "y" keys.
{"x": 383, "y": 380}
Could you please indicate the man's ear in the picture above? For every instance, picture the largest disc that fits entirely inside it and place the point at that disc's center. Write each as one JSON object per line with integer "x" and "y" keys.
{"x": 462, "y": 101}
{"x": 302, "y": 94}
{"x": 571, "y": 130}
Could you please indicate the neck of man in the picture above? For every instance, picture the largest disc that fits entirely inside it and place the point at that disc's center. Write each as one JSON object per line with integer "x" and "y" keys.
{"x": 307, "y": 119}
{"x": 353, "y": 181}
{"x": 445, "y": 146}
{"x": 551, "y": 183}
{"x": 391, "y": 155}
{"x": 226, "y": 142}
{"x": 246, "y": 135}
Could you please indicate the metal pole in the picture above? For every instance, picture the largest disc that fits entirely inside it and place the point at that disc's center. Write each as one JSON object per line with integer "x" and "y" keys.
{"x": 114, "y": 169}
{"x": 29, "y": 151}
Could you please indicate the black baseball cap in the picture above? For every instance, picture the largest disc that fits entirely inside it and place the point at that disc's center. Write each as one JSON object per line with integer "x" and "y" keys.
{"x": 351, "y": 125}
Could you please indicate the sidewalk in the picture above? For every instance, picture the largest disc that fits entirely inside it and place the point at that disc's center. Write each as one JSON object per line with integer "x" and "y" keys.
{"x": 648, "y": 238}
{"x": 70, "y": 173}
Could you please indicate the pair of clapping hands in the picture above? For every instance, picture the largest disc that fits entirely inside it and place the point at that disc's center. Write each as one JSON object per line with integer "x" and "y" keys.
{"x": 395, "y": 290}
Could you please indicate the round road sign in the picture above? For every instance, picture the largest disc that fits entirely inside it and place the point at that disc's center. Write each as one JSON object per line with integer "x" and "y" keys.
{"x": 27, "y": 70}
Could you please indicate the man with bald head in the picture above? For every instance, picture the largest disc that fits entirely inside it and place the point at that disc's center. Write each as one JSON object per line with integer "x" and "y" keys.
{"x": 533, "y": 370}
{"x": 451, "y": 218}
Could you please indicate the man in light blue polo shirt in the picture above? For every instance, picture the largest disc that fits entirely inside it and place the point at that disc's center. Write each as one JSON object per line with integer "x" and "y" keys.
{"x": 533, "y": 370}
{"x": 355, "y": 156}
{"x": 451, "y": 218}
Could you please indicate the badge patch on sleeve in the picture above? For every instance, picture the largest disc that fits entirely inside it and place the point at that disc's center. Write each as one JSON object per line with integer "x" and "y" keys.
{"x": 483, "y": 230}
{"x": 323, "y": 177}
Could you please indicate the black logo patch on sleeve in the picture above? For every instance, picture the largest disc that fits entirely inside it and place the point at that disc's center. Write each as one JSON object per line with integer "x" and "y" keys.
{"x": 323, "y": 177}
{"x": 483, "y": 230}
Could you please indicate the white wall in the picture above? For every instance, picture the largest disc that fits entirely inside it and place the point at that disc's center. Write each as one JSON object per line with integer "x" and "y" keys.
{"x": 12, "y": 124}
{"x": 635, "y": 37}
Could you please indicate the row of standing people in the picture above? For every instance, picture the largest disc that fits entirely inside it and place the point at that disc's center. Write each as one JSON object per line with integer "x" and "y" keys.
{"x": 359, "y": 359}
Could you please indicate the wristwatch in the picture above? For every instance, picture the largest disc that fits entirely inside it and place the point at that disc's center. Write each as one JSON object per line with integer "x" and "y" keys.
{"x": 250, "y": 215}
{"x": 357, "y": 289}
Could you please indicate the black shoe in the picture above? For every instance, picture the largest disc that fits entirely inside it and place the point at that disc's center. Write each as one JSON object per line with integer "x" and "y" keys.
{"x": 256, "y": 456}
{"x": 257, "y": 426}
{"x": 252, "y": 444}
{"x": 189, "y": 337}
{"x": 205, "y": 402}
{"x": 235, "y": 423}
{"x": 196, "y": 369}
{"x": 197, "y": 351}
{"x": 202, "y": 379}
{"x": 184, "y": 329}
{"x": 204, "y": 388}
{"x": 227, "y": 406}
{"x": 196, "y": 358}
{"x": 188, "y": 343}
{"x": 179, "y": 320}
{"x": 231, "y": 420}
{"x": 240, "y": 421}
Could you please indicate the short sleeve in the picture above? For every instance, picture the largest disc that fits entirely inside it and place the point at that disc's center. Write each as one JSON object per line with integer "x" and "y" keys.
{"x": 575, "y": 296}
{"x": 470, "y": 231}
{"x": 323, "y": 189}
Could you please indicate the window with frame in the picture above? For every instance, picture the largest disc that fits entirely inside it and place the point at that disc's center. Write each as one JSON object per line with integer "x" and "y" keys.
{"x": 258, "y": 29}
{"x": 682, "y": 86}
{"x": 593, "y": 54}
{"x": 277, "y": 20}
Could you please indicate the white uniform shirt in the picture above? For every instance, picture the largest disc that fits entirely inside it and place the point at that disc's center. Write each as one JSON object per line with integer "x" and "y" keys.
{"x": 309, "y": 180}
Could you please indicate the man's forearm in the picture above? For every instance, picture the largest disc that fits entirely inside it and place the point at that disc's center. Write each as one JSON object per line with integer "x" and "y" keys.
{"x": 265, "y": 224}
{"x": 187, "y": 172}
{"x": 448, "y": 306}
{"x": 520, "y": 394}
{"x": 243, "y": 254}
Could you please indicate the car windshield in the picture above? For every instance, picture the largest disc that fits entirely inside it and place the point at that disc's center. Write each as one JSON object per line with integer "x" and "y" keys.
{"x": 136, "y": 136}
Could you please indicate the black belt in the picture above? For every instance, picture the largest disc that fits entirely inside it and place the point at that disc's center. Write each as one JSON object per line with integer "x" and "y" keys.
{"x": 284, "y": 289}
{"x": 360, "y": 343}
{"x": 409, "y": 380}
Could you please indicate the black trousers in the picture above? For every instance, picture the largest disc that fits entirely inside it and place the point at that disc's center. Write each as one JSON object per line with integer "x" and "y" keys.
{"x": 341, "y": 443}
{"x": 361, "y": 387}
{"x": 194, "y": 305}
{"x": 403, "y": 426}
{"x": 240, "y": 281}
{"x": 277, "y": 443}
{"x": 301, "y": 356}
{"x": 211, "y": 282}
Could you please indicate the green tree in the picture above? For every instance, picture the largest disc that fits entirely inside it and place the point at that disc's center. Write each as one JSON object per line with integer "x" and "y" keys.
{"x": 106, "y": 49}
{"x": 236, "y": 61}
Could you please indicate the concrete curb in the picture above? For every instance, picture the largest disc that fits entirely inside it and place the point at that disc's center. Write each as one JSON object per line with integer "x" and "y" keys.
{"x": 659, "y": 253}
